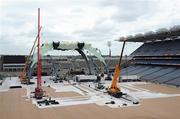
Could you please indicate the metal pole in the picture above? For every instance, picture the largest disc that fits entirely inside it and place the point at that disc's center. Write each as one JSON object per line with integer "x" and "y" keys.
{"x": 39, "y": 62}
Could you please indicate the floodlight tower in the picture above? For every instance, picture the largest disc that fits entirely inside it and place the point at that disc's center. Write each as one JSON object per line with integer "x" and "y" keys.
{"x": 38, "y": 89}
{"x": 109, "y": 45}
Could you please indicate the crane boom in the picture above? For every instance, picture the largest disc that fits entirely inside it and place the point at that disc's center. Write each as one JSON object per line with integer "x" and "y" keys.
{"x": 23, "y": 75}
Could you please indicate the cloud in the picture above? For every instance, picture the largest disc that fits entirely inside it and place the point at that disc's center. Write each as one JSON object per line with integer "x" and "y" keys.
{"x": 129, "y": 10}
{"x": 92, "y": 21}
{"x": 103, "y": 30}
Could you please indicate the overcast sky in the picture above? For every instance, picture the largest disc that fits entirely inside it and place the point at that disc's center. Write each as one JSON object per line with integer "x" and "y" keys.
{"x": 92, "y": 21}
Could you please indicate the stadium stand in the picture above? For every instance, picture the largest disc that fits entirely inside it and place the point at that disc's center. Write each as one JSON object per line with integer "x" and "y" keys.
{"x": 165, "y": 48}
{"x": 158, "y": 58}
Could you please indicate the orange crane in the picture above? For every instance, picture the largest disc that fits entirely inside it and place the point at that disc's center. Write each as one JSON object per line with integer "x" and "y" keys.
{"x": 23, "y": 76}
{"x": 114, "y": 90}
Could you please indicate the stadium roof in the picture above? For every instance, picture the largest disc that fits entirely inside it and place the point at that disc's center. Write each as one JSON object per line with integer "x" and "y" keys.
{"x": 159, "y": 35}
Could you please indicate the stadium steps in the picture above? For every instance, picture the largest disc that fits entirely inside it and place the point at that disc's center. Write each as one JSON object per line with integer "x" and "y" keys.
{"x": 175, "y": 82}
{"x": 150, "y": 72}
{"x": 126, "y": 71}
{"x": 136, "y": 72}
{"x": 164, "y": 73}
{"x": 157, "y": 74}
{"x": 170, "y": 76}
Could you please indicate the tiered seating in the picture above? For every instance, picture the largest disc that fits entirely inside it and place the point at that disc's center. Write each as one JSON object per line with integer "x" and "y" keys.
{"x": 138, "y": 71}
{"x": 76, "y": 65}
{"x": 150, "y": 71}
{"x": 65, "y": 65}
{"x": 127, "y": 70}
{"x": 163, "y": 48}
{"x": 82, "y": 64}
{"x": 157, "y": 74}
{"x": 175, "y": 82}
{"x": 157, "y": 62}
{"x": 169, "y": 76}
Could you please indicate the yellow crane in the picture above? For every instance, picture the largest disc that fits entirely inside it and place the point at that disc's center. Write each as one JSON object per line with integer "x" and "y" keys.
{"x": 23, "y": 76}
{"x": 114, "y": 90}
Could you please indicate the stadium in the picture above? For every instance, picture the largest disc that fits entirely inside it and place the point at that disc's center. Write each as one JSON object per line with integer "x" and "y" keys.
{"x": 94, "y": 80}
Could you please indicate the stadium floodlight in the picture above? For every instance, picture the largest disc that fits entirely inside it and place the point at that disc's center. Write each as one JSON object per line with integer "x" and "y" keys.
{"x": 109, "y": 45}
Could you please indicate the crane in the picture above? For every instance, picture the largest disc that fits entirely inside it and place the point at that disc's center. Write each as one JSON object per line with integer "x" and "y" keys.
{"x": 39, "y": 93}
{"x": 24, "y": 75}
{"x": 114, "y": 90}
